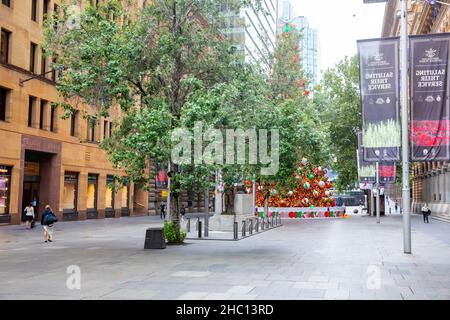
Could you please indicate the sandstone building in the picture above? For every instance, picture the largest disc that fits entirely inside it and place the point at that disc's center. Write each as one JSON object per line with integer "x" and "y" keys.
{"x": 431, "y": 180}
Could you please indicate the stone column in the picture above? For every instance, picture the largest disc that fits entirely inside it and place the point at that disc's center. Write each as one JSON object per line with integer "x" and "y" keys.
{"x": 101, "y": 195}
{"x": 82, "y": 195}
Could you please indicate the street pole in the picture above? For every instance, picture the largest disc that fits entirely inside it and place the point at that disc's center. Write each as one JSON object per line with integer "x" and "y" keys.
{"x": 253, "y": 196}
{"x": 377, "y": 188}
{"x": 168, "y": 192}
{"x": 405, "y": 142}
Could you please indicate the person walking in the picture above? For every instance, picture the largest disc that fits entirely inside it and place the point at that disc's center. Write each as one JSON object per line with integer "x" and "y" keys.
{"x": 162, "y": 208}
{"x": 426, "y": 213}
{"x": 29, "y": 215}
{"x": 182, "y": 212}
{"x": 47, "y": 221}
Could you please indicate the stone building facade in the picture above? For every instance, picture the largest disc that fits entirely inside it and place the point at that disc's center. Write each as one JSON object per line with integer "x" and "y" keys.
{"x": 43, "y": 158}
{"x": 431, "y": 180}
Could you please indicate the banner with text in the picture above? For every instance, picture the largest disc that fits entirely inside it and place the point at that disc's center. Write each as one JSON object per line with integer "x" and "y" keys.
{"x": 379, "y": 82}
{"x": 430, "y": 112}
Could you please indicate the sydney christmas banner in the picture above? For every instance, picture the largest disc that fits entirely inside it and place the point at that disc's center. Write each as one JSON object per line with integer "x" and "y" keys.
{"x": 430, "y": 123}
{"x": 379, "y": 77}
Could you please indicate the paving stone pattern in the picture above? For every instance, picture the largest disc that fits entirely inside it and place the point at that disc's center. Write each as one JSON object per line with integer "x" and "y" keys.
{"x": 320, "y": 259}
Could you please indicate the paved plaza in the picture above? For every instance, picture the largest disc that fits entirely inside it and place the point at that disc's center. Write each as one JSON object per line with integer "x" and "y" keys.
{"x": 318, "y": 259}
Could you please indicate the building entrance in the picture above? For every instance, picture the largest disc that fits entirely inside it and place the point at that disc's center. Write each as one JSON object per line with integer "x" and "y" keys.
{"x": 37, "y": 171}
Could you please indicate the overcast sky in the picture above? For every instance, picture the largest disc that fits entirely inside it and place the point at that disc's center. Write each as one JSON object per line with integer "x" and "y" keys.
{"x": 340, "y": 23}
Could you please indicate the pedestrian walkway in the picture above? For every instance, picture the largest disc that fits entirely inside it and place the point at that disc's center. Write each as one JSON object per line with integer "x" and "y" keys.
{"x": 351, "y": 258}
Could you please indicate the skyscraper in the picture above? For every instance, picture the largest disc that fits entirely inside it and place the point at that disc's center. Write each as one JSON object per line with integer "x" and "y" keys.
{"x": 286, "y": 10}
{"x": 309, "y": 46}
{"x": 253, "y": 31}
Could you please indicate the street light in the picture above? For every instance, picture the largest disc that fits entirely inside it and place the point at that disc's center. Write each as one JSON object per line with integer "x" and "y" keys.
{"x": 405, "y": 141}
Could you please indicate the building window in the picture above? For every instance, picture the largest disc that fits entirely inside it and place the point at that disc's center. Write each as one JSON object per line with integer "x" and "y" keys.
{"x": 34, "y": 10}
{"x": 90, "y": 131}
{"x": 105, "y": 129}
{"x": 42, "y": 111}
{"x": 45, "y": 10}
{"x": 56, "y": 14}
{"x": 4, "y": 46}
{"x": 43, "y": 63}
{"x": 5, "y": 179}
{"x": 91, "y": 197}
{"x": 54, "y": 69}
{"x": 31, "y": 104}
{"x": 4, "y": 94}
{"x": 70, "y": 194}
{"x": 33, "y": 50}
{"x": 125, "y": 198}
{"x": 6, "y": 3}
{"x": 73, "y": 123}
{"x": 53, "y": 119}
{"x": 109, "y": 196}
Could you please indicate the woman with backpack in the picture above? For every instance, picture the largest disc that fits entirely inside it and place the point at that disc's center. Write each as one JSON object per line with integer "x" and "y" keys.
{"x": 47, "y": 221}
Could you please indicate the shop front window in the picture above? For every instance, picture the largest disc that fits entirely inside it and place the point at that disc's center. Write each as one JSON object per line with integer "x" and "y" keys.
{"x": 109, "y": 196}
{"x": 92, "y": 191}
{"x": 5, "y": 180}
{"x": 70, "y": 191}
{"x": 125, "y": 191}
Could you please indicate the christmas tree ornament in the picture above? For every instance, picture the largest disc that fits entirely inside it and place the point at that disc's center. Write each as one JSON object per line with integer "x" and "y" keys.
{"x": 290, "y": 193}
{"x": 274, "y": 192}
{"x": 315, "y": 193}
{"x": 321, "y": 184}
{"x": 306, "y": 185}
{"x": 311, "y": 176}
{"x": 304, "y": 161}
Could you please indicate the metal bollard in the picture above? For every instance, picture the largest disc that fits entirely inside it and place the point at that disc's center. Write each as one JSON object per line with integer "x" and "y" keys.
{"x": 235, "y": 230}
{"x": 244, "y": 227}
{"x": 263, "y": 222}
{"x": 250, "y": 229}
{"x": 271, "y": 221}
{"x": 257, "y": 225}
{"x": 188, "y": 225}
{"x": 199, "y": 228}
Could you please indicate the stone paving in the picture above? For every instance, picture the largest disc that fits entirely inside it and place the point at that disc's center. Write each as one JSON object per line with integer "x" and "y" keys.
{"x": 318, "y": 259}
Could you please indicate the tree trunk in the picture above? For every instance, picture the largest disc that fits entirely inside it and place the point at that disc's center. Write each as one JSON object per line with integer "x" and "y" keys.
{"x": 207, "y": 208}
{"x": 174, "y": 202}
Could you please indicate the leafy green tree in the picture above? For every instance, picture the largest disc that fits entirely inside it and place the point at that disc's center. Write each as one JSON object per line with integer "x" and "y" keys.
{"x": 164, "y": 67}
{"x": 338, "y": 100}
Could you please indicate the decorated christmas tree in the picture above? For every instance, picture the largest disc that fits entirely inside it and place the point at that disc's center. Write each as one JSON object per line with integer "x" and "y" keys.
{"x": 310, "y": 188}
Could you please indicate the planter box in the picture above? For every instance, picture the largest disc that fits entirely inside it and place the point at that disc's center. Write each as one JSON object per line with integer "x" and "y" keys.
{"x": 154, "y": 239}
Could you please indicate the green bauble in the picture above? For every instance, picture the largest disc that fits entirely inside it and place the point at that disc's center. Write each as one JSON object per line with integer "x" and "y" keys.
{"x": 311, "y": 176}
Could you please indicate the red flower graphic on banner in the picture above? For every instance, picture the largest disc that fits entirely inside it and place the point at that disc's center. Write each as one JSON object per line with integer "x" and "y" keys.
{"x": 387, "y": 171}
{"x": 429, "y": 133}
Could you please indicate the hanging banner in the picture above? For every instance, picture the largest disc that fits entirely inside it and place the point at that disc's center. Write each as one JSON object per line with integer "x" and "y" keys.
{"x": 366, "y": 170}
{"x": 429, "y": 97}
{"x": 379, "y": 83}
{"x": 388, "y": 172}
